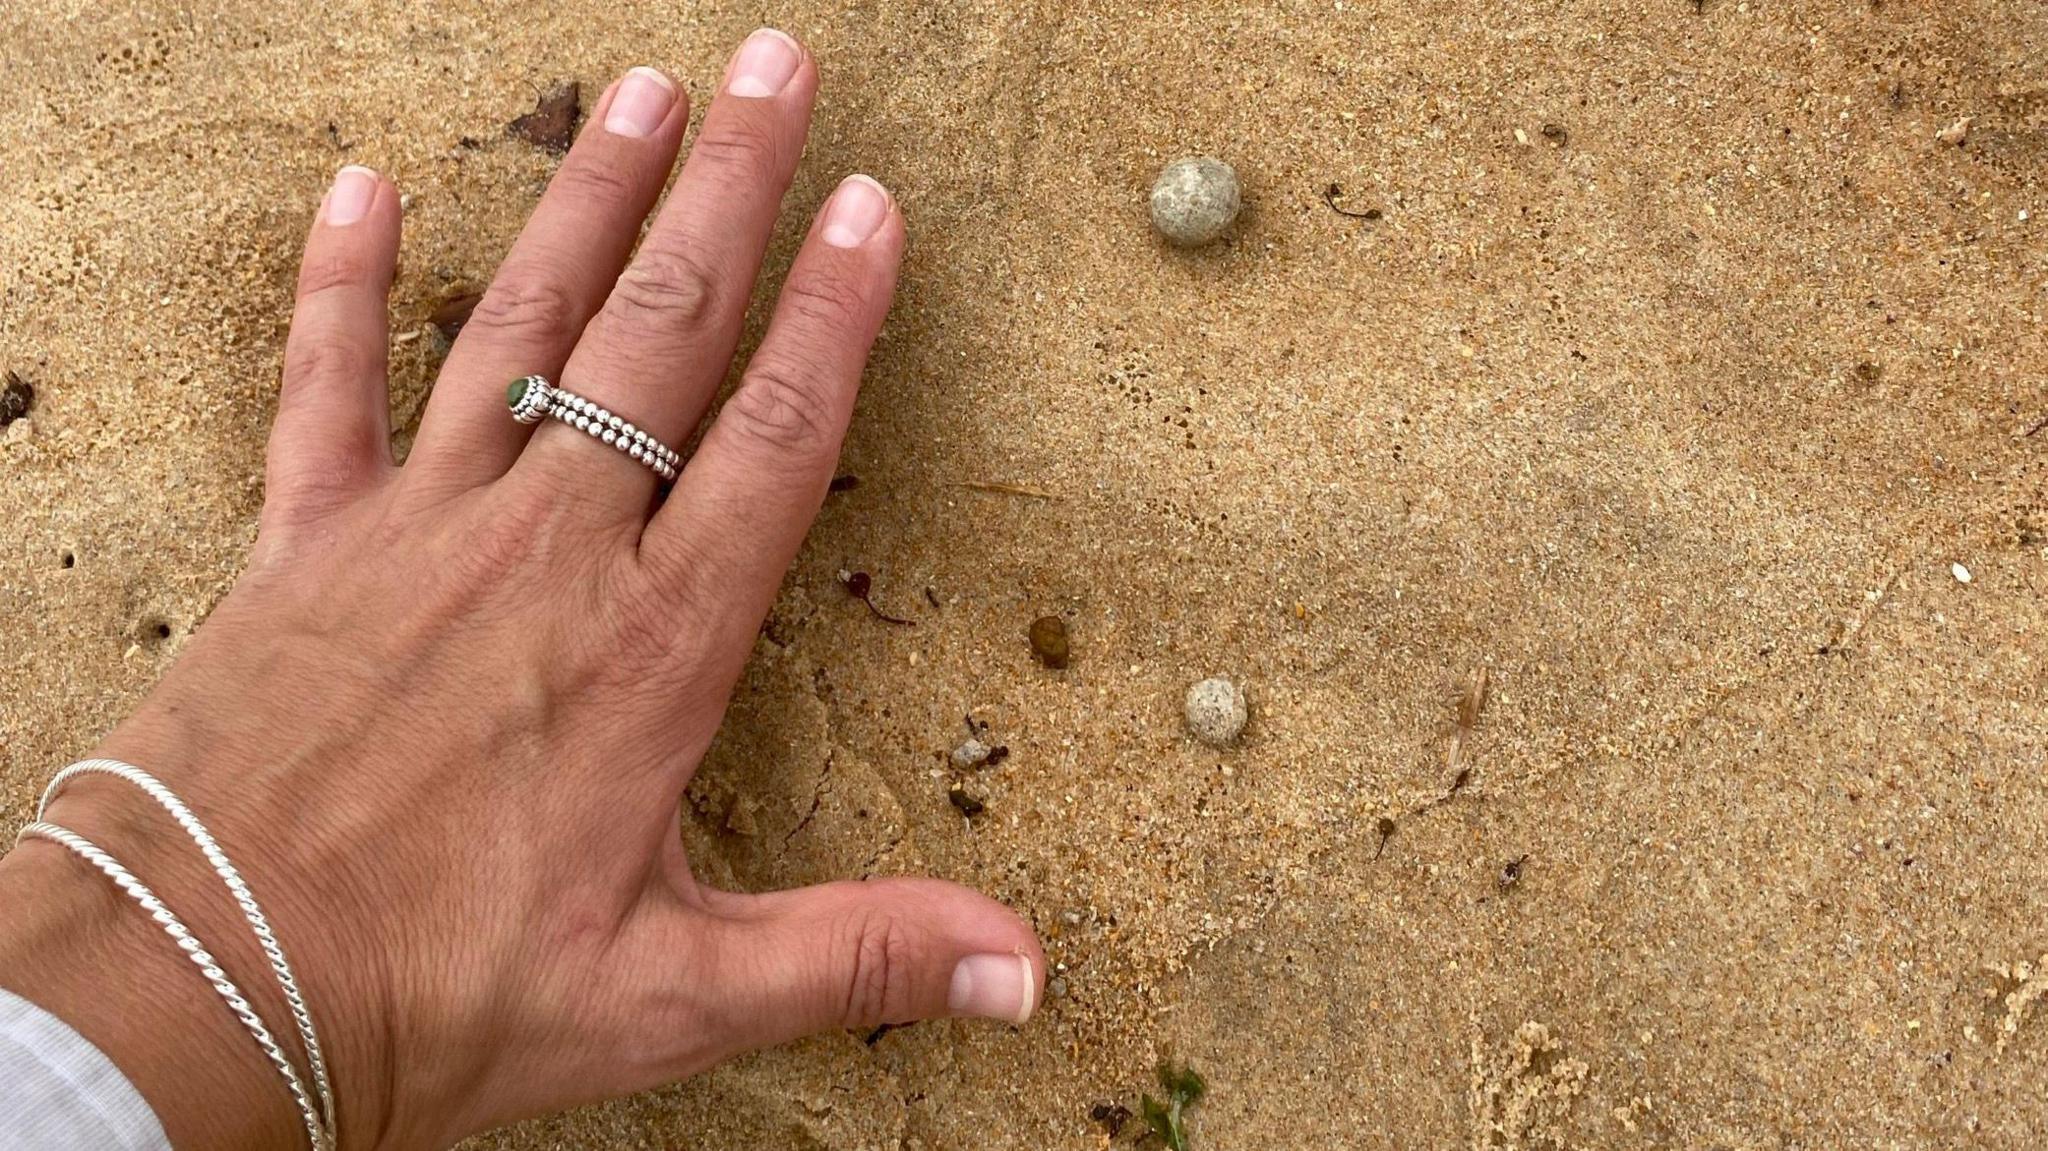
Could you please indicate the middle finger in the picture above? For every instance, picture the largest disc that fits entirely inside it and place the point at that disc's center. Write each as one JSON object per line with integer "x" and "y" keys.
{"x": 658, "y": 350}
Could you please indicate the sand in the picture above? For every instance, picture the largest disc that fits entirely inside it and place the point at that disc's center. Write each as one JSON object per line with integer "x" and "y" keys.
{"x": 1681, "y": 364}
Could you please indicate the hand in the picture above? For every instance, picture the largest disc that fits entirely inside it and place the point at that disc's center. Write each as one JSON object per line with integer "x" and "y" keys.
{"x": 443, "y": 721}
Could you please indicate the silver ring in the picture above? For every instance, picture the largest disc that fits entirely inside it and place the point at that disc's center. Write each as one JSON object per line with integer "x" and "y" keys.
{"x": 532, "y": 399}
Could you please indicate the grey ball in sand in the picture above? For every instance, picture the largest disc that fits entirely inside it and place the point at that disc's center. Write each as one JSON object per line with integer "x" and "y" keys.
{"x": 1216, "y": 711}
{"x": 1194, "y": 200}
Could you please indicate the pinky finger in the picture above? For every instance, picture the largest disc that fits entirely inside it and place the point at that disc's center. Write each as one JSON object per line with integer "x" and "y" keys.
{"x": 332, "y": 439}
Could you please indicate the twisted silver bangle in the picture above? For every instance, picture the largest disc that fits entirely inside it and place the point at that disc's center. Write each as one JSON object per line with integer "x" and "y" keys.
{"x": 259, "y": 924}
{"x": 200, "y": 957}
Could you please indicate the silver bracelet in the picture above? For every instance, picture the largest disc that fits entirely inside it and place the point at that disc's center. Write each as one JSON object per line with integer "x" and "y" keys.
{"x": 321, "y": 1126}
{"x": 200, "y": 957}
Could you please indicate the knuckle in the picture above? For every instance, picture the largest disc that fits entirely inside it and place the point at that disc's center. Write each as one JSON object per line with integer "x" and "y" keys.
{"x": 519, "y": 524}
{"x": 668, "y": 283}
{"x": 781, "y": 405}
{"x": 831, "y": 301}
{"x": 316, "y": 362}
{"x": 879, "y": 987}
{"x": 743, "y": 143}
{"x": 528, "y": 308}
{"x": 299, "y": 491}
{"x": 687, "y": 580}
{"x": 343, "y": 268}
{"x": 641, "y": 627}
{"x": 589, "y": 183}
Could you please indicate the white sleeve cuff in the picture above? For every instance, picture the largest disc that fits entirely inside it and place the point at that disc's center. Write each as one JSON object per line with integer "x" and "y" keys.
{"x": 57, "y": 1092}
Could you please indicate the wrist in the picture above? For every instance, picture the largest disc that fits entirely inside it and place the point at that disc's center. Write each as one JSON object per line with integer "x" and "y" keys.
{"x": 85, "y": 951}
{"x": 80, "y": 949}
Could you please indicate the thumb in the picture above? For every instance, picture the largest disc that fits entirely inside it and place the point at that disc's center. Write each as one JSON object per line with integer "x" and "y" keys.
{"x": 860, "y": 954}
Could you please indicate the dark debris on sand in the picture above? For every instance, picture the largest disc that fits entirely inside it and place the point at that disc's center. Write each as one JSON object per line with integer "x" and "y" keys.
{"x": 552, "y": 123}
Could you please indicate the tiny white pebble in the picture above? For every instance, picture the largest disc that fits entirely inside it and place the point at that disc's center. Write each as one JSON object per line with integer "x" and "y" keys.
{"x": 1215, "y": 711}
{"x": 973, "y": 753}
{"x": 1961, "y": 573}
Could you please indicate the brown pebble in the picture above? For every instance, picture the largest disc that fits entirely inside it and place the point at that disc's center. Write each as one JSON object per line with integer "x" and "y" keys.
{"x": 1049, "y": 641}
{"x": 1556, "y": 134}
{"x": 968, "y": 805}
{"x": 1512, "y": 873}
{"x": 552, "y": 123}
{"x": 15, "y": 399}
{"x": 1111, "y": 1117}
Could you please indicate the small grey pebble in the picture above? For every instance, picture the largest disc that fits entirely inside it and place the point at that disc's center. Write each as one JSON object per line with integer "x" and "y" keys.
{"x": 1071, "y": 918}
{"x": 1216, "y": 711}
{"x": 1194, "y": 200}
{"x": 973, "y": 753}
{"x": 1056, "y": 987}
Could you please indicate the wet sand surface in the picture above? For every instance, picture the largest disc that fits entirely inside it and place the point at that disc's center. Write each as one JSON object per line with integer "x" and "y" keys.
{"x": 1692, "y": 361}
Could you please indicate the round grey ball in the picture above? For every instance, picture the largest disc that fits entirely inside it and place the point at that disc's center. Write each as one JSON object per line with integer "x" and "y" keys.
{"x": 1194, "y": 200}
{"x": 1216, "y": 711}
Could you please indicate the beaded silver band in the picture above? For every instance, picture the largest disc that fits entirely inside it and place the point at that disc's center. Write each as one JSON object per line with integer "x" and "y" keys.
{"x": 533, "y": 398}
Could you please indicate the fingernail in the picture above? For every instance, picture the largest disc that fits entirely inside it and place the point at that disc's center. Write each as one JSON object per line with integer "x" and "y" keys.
{"x": 994, "y": 987}
{"x": 641, "y": 103}
{"x": 763, "y": 64}
{"x": 355, "y": 188}
{"x": 855, "y": 212}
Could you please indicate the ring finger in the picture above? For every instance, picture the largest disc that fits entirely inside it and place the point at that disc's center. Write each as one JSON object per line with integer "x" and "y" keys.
{"x": 658, "y": 349}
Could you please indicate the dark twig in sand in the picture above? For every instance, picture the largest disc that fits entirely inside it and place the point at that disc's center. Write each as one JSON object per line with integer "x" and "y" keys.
{"x": 1005, "y": 489}
{"x": 861, "y": 586}
{"x": 1334, "y": 193}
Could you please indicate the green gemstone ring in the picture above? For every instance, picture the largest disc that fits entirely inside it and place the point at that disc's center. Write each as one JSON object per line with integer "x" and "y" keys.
{"x": 533, "y": 398}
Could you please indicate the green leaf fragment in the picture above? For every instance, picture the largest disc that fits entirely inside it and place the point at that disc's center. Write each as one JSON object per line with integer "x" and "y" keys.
{"x": 1184, "y": 1084}
{"x": 1184, "y": 1088}
{"x": 1165, "y": 1123}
